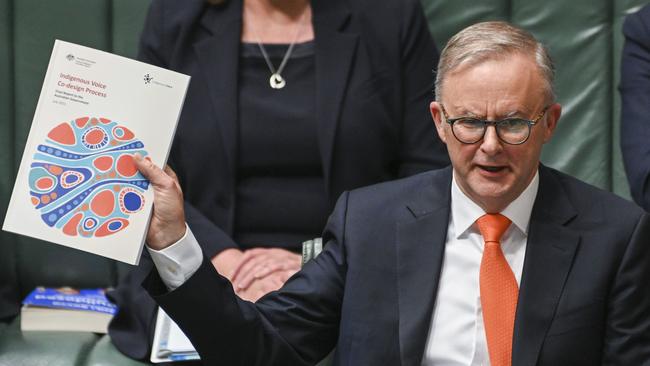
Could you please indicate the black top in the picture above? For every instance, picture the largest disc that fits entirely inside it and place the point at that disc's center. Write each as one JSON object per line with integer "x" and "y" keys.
{"x": 280, "y": 192}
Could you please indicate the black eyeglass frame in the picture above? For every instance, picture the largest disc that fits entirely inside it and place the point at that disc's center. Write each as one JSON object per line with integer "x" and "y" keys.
{"x": 496, "y": 125}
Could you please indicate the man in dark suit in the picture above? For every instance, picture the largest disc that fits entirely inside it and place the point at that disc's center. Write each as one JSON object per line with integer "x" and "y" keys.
{"x": 496, "y": 260}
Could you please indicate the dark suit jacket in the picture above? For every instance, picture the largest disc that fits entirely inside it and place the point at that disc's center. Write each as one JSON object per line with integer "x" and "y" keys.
{"x": 584, "y": 297}
{"x": 635, "y": 109}
{"x": 374, "y": 80}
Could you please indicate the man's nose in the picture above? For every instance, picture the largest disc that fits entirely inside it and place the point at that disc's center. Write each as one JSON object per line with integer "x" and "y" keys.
{"x": 491, "y": 143}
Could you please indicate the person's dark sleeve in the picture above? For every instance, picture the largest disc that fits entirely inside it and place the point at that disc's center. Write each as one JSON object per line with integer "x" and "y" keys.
{"x": 297, "y": 325}
{"x": 156, "y": 48}
{"x": 627, "y": 337}
{"x": 421, "y": 148}
{"x": 635, "y": 108}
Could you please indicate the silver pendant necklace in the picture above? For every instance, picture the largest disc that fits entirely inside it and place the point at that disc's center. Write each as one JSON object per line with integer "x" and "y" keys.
{"x": 276, "y": 81}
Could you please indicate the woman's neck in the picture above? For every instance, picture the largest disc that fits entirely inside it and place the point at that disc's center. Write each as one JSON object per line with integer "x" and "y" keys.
{"x": 276, "y": 21}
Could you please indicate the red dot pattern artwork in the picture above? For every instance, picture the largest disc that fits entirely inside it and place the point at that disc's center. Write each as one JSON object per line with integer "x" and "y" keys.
{"x": 83, "y": 179}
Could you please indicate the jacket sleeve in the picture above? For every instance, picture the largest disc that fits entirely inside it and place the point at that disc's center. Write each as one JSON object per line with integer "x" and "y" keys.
{"x": 635, "y": 108}
{"x": 296, "y": 325}
{"x": 421, "y": 148}
{"x": 627, "y": 336}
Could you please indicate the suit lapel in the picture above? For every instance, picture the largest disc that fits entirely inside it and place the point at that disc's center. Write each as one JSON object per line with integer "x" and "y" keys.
{"x": 549, "y": 254}
{"x": 420, "y": 250}
{"x": 218, "y": 58}
{"x": 335, "y": 53}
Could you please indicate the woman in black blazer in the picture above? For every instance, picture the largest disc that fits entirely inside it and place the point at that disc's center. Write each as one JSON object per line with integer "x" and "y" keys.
{"x": 290, "y": 104}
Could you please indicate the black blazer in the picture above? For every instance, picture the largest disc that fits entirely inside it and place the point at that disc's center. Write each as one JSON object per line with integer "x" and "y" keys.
{"x": 374, "y": 63}
{"x": 635, "y": 109}
{"x": 584, "y": 297}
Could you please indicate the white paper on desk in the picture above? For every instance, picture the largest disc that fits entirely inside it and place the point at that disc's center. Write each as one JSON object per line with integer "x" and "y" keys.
{"x": 77, "y": 185}
{"x": 169, "y": 341}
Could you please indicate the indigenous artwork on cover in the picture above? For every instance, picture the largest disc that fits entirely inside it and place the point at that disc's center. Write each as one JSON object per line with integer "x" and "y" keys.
{"x": 83, "y": 180}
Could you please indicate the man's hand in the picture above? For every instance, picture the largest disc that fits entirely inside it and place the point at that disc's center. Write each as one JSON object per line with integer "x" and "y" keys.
{"x": 167, "y": 224}
{"x": 259, "y": 263}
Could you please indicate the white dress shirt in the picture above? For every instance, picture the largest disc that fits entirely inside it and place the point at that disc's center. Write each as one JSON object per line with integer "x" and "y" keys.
{"x": 456, "y": 335}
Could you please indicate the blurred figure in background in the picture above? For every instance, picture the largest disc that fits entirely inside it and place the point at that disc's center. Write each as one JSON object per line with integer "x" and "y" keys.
{"x": 635, "y": 97}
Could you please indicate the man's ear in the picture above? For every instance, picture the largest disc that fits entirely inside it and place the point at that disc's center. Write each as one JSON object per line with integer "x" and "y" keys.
{"x": 552, "y": 118}
{"x": 436, "y": 114}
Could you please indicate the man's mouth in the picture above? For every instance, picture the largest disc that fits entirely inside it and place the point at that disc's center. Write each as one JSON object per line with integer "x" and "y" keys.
{"x": 491, "y": 168}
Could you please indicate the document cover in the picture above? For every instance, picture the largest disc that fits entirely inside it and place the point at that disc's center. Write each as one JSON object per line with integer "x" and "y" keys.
{"x": 77, "y": 184}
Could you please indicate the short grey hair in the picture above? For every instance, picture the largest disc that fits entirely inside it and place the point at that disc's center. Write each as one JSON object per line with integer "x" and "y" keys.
{"x": 489, "y": 41}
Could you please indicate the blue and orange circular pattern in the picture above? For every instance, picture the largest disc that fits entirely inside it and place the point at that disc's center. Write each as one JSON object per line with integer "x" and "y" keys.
{"x": 83, "y": 179}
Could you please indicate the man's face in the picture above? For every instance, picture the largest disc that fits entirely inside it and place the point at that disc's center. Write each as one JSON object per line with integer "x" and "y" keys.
{"x": 491, "y": 172}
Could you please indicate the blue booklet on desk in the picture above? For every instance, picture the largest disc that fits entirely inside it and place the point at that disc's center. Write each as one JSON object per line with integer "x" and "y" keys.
{"x": 67, "y": 309}
{"x": 69, "y": 298}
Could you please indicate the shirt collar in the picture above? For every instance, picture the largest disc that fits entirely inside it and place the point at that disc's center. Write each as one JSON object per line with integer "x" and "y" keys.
{"x": 465, "y": 212}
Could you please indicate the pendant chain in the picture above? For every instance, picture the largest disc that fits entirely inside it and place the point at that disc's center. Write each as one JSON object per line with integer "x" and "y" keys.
{"x": 276, "y": 81}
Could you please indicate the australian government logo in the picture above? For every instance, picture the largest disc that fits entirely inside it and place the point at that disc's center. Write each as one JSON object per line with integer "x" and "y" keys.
{"x": 149, "y": 79}
{"x": 80, "y": 61}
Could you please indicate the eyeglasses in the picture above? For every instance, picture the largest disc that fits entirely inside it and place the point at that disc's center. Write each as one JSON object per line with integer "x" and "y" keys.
{"x": 512, "y": 131}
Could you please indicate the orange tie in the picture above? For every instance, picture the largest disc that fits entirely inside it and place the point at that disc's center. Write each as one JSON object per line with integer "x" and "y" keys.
{"x": 499, "y": 291}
